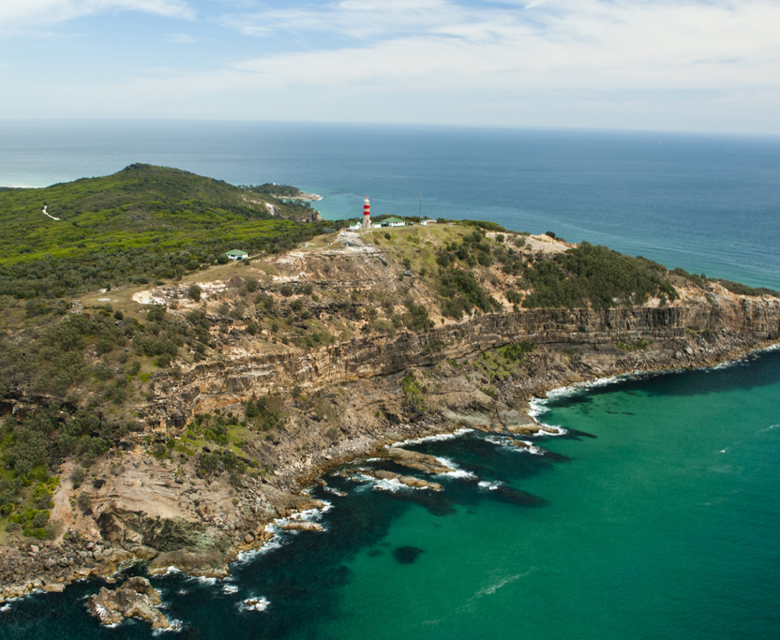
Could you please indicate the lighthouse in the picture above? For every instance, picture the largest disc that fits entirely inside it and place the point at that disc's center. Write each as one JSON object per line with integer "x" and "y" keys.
{"x": 366, "y": 213}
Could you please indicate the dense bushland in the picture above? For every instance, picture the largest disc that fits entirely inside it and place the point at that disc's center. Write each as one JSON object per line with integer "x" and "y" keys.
{"x": 596, "y": 275}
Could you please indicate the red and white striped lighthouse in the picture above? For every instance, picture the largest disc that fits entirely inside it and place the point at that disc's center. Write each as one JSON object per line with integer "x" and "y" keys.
{"x": 366, "y": 213}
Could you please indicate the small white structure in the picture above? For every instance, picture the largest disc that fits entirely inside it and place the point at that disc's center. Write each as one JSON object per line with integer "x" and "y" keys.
{"x": 236, "y": 254}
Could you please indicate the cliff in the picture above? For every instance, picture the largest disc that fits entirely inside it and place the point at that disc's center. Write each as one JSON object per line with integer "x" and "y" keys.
{"x": 298, "y": 362}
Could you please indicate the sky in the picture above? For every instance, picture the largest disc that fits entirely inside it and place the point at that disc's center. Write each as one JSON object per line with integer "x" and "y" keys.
{"x": 682, "y": 65}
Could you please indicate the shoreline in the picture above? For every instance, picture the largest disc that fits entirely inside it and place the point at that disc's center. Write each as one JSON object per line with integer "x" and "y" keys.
{"x": 362, "y": 408}
{"x": 117, "y": 560}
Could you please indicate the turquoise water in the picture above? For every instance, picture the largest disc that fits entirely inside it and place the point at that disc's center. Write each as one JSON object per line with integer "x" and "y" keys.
{"x": 656, "y": 516}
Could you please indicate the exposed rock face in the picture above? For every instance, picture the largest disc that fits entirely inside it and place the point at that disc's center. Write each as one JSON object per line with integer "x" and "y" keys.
{"x": 135, "y": 598}
{"x": 209, "y": 564}
{"x": 409, "y": 481}
{"x": 145, "y": 536}
{"x": 415, "y": 460}
{"x": 303, "y": 525}
{"x": 287, "y": 504}
{"x": 360, "y": 382}
{"x": 707, "y": 325}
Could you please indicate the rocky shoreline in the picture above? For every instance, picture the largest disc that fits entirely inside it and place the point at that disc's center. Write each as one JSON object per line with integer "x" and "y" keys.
{"x": 344, "y": 401}
{"x": 50, "y": 566}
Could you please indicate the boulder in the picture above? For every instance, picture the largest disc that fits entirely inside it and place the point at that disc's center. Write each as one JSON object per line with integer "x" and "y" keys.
{"x": 416, "y": 460}
{"x": 302, "y": 525}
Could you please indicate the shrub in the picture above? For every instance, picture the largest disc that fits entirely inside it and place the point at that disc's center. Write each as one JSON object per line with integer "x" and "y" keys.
{"x": 163, "y": 360}
{"x": 193, "y": 292}
{"x": 83, "y": 501}
{"x": 156, "y": 313}
{"x": 77, "y": 476}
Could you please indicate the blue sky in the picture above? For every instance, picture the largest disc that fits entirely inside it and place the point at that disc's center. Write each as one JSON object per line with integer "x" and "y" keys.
{"x": 645, "y": 64}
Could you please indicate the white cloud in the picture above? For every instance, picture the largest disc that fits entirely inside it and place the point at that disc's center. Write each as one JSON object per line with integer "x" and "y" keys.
{"x": 360, "y": 19}
{"x": 33, "y": 13}
{"x": 180, "y": 38}
{"x": 603, "y": 62}
{"x": 588, "y": 44}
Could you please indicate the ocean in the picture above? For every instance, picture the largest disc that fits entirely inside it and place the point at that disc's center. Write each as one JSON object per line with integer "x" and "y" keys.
{"x": 656, "y": 514}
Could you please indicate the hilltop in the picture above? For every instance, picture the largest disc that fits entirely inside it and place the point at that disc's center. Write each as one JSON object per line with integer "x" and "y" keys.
{"x": 141, "y": 223}
{"x": 172, "y": 418}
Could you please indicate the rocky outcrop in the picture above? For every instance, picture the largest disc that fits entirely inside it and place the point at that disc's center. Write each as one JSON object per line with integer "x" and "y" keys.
{"x": 408, "y": 481}
{"x": 145, "y": 536}
{"x": 415, "y": 460}
{"x": 361, "y": 379}
{"x": 211, "y": 563}
{"x": 301, "y": 525}
{"x": 135, "y": 598}
{"x": 50, "y": 566}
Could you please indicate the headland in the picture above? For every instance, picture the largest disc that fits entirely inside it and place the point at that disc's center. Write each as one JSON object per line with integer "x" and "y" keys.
{"x": 175, "y": 419}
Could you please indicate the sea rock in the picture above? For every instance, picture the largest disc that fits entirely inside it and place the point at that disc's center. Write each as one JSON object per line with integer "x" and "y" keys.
{"x": 135, "y": 598}
{"x": 416, "y": 460}
{"x": 302, "y": 525}
{"x": 409, "y": 481}
{"x": 210, "y": 563}
{"x": 286, "y": 504}
{"x": 529, "y": 429}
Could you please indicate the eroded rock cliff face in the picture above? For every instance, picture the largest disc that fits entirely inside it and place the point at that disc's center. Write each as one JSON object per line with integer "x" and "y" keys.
{"x": 691, "y": 332}
{"x": 363, "y": 390}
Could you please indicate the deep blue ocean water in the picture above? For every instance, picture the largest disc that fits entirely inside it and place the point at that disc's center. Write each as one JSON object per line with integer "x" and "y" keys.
{"x": 657, "y": 515}
{"x": 707, "y": 204}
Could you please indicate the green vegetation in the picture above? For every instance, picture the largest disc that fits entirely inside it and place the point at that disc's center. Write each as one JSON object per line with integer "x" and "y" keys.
{"x": 639, "y": 345}
{"x": 414, "y": 392}
{"x": 744, "y": 290}
{"x": 504, "y": 362}
{"x": 461, "y": 293}
{"x": 274, "y": 190}
{"x": 140, "y": 223}
{"x": 595, "y": 275}
{"x": 31, "y": 447}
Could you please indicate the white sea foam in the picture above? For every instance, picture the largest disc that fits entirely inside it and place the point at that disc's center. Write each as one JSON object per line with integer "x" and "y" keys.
{"x": 4, "y": 608}
{"x": 441, "y": 437}
{"x": 204, "y": 580}
{"x": 506, "y": 442}
{"x": 491, "y": 589}
{"x": 538, "y": 406}
{"x": 456, "y": 472}
{"x": 770, "y": 428}
{"x": 490, "y": 486}
{"x": 176, "y": 627}
{"x": 308, "y": 515}
{"x": 254, "y": 604}
{"x": 336, "y": 492}
{"x": 229, "y": 588}
{"x": 245, "y": 557}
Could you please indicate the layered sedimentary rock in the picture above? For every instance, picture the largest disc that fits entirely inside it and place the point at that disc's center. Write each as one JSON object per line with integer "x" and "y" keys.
{"x": 702, "y": 327}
